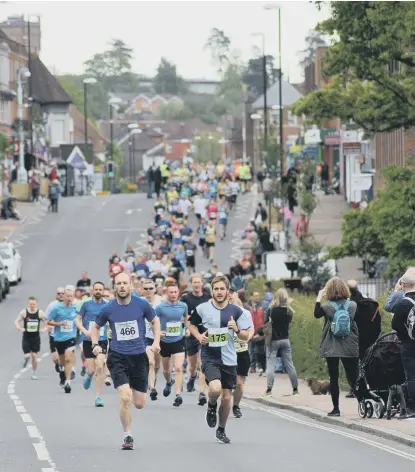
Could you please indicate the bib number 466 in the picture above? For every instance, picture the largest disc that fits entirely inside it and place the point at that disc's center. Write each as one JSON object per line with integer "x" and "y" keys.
{"x": 127, "y": 331}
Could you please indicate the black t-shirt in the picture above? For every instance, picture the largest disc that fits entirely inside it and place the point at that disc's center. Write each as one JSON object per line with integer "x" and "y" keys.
{"x": 192, "y": 301}
{"x": 83, "y": 283}
{"x": 400, "y": 317}
{"x": 281, "y": 318}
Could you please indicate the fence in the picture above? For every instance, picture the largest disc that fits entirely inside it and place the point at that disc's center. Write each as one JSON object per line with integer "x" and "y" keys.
{"x": 373, "y": 288}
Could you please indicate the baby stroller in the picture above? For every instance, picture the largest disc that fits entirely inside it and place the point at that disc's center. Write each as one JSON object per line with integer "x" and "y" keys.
{"x": 380, "y": 379}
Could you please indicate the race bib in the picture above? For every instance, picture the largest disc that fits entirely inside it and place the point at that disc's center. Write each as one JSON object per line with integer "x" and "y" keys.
{"x": 240, "y": 346}
{"x": 218, "y": 337}
{"x": 32, "y": 326}
{"x": 127, "y": 330}
{"x": 159, "y": 211}
{"x": 68, "y": 328}
{"x": 101, "y": 330}
{"x": 223, "y": 215}
{"x": 213, "y": 214}
{"x": 185, "y": 238}
{"x": 190, "y": 253}
{"x": 173, "y": 329}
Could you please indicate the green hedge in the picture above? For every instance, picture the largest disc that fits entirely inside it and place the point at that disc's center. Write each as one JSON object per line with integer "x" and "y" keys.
{"x": 305, "y": 332}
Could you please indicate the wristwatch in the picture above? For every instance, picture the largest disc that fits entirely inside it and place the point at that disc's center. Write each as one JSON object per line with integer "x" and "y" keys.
{"x": 94, "y": 346}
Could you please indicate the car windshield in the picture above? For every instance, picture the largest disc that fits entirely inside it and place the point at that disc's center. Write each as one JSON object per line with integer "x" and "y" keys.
{"x": 4, "y": 255}
{"x": 5, "y": 251}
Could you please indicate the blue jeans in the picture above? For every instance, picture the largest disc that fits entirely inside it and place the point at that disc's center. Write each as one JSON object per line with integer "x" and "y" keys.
{"x": 408, "y": 362}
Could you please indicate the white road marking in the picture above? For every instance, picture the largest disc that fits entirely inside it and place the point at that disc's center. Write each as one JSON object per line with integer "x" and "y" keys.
{"x": 26, "y": 418}
{"x": 128, "y": 212}
{"x": 139, "y": 209}
{"x": 41, "y": 451}
{"x": 34, "y": 433}
{"x": 355, "y": 437}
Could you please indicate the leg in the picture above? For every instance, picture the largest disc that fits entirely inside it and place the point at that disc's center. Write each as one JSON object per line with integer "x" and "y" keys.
{"x": 333, "y": 368}
{"x": 152, "y": 371}
{"x": 238, "y": 393}
{"x": 166, "y": 369}
{"x": 287, "y": 359}
{"x": 350, "y": 367}
{"x": 68, "y": 360}
{"x": 178, "y": 360}
{"x": 271, "y": 353}
{"x": 225, "y": 408}
{"x": 214, "y": 391}
{"x": 126, "y": 398}
{"x": 99, "y": 368}
{"x": 34, "y": 361}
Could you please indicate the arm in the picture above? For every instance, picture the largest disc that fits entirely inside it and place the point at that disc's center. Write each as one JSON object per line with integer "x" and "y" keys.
{"x": 393, "y": 299}
{"x": 318, "y": 311}
{"x": 42, "y": 318}
{"x": 195, "y": 324}
{"x": 18, "y": 321}
{"x": 51, "y": 317}
{"x": 102, "y": 320}
{"x": 79, "y": 325}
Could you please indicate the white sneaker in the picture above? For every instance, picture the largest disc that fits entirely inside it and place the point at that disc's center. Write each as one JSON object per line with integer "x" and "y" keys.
{"x": 34, "y": 376}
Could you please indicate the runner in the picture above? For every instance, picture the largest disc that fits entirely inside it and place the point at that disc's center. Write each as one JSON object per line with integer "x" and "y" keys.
{"x": 85, "y": 320}
{"x": 127, "y": 358}
{"x": 62, "y": 317}
{"x": 54, "y": 354}
{"x": 213, "y": 324}
{"x": 172, "y": 314}
{"x": 223, "y": 217}
{"x": 149, "y": 291}
{"x": 28, "y": 323}
{"x": 193, "y": 300}
{"x": 242, "y": 354}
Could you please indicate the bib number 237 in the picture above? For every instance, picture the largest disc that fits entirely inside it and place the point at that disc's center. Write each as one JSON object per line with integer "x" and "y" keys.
{"x": 127, "y": 331}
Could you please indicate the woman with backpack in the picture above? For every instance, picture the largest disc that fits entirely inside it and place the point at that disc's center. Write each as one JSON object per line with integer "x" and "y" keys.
{"x": 277, "y": 319}
{"x": 340, "y": 336}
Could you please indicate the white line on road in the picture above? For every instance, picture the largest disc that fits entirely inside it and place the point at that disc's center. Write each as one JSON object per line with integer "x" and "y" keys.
{"x": 128, "y": 212}
{"x": 20, "y": 409}
{"x": 355, "y": 437}
{"x": 26, "y": 418}
{"x": 41, "y": 451}
{"x": 14, "y": 397}
{"x": 33, "y": 431}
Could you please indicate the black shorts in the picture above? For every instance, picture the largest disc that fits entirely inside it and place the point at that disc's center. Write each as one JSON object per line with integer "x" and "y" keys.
{"x": 225, "y": 373}
{"x": 202, "y": 242}
{"x": 232, "y": 199}
{"x": 52, "y": 345}
{"x": 169, "y": 349}
{"x": 244, "y": 363}
{"x": 198, "y": 216}
{"x": 31, "y": 344}
{"x": 68, "y": 345}
{"x": 192, "y": 346}
{"x": 149, "y": 342}
{"x": 210, "y": 244}
{"x": 131, "y": 369}
{"x": 87, "y": 348}
{"x": 191, "y": 262}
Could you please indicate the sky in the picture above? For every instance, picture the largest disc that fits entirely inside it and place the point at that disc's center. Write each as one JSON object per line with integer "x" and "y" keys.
{"x": 177, "y": 30}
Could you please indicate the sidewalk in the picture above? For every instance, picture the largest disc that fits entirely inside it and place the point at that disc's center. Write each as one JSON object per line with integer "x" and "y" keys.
{"x": 317, "y": 407}
{"x": 10, "y": 228}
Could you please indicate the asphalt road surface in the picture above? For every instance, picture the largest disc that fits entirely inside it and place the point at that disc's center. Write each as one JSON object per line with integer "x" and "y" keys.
{"x": 42, "y": 429}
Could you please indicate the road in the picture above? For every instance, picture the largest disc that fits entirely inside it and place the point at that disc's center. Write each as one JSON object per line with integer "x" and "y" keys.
{"x": 42, "y": 429}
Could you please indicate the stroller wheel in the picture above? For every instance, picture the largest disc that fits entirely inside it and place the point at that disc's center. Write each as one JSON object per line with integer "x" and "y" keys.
{"x": 369, "y": 409}
{"x": 362, "y": 410}
{"x": 379, "y": 410}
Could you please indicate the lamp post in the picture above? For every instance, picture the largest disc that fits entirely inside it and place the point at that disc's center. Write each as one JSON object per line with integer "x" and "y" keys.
{"x": 134, "y": 129}
{"x": 264, "y": 88}
{"x": 87, "y": 81}
{"x": 22, "y": 74}
{"x": 210, "y": 137}
{"x": 276, "y": 6}
{"x": 112, "y": 104}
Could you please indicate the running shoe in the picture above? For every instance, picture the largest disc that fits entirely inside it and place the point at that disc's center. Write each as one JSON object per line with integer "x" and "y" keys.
{"x": 221, "y": 437}
{"x": 178, "y": 400}
{"x": 211, "y": 415}
{"x": 73, "y": 375}
{"x": 237, "y": 413}
{"x": 34, "y": 376}
{"x": 191, "y": 384}
{"x": 67, "y": 388}
{"x": 57, "y": 367}
{"x": 99, "y": 402}
{"x": 167, "y": 388}
{"x": 62, "y": 378}
{"x": 153, "y": 394}
{"x": 87, "y": 382}
{"x": 268, "y": 393}
{"x": 83, "y": 371}
{"x": 202, "y": 399}
{"x": 108, "y": 381}
{"x": 128, "y": 444}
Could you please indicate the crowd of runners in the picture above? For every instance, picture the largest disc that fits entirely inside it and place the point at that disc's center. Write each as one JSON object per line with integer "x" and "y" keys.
{"x": 149, "y": 316}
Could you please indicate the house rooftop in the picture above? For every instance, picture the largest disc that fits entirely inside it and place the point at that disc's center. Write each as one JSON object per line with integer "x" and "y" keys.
{"x": 289, "y": 95}
{"x": 46, "y": 88}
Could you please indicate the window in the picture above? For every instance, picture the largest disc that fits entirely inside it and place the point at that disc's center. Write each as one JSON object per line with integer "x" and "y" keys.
{"x": 4, "y": 111}
{"x": 291, "y": 119}
{"x": 275, "y": 117}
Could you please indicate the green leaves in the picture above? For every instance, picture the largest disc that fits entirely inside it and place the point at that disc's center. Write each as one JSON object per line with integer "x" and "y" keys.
{"x": 371, "y": 65}
{"x": 167, "y": 81}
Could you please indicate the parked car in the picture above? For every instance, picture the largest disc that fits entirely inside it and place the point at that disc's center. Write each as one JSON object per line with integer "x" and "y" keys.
{"x": 13, "y": 260}
{"x": 4, "y": 281}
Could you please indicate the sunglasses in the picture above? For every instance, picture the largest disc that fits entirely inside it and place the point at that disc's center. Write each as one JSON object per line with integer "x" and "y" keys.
{"x": 147, "y": 289}
{"x": 59, "y": 293}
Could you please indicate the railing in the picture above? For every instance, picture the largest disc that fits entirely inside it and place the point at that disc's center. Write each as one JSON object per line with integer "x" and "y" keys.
{"x": 373, "y": 288}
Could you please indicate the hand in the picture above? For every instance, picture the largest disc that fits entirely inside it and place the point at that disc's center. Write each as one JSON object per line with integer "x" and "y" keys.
{"x": 162, "y": 334}
{"x": 64, "y": 323}
{"x": 22, "y": 330}
{"x": 321, "y": 295}
{"x": 44, "y": 330}
{"x": 203, "y": 338}
{"x": 155, "y": 347}
{"x": 398, "y": 286}
{"x": 97, "y": 350}
{"x": 187, "y": 332}
{"x": 232, "y": 324}
{"x": 87, "y": 334}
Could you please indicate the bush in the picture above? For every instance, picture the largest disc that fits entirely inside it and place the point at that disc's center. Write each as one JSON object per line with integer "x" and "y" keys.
{"x": 305, "y": 332}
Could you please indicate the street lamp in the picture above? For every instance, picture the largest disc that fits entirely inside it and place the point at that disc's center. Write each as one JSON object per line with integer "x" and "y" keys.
{"x": 265, "y": 87}
{"x": 22, "y": 74}
{"x": 112, "y": 103}
{"x": 87, "y": 81}
{"x": 276, "y": 6}
{"x": 134, "y": 129}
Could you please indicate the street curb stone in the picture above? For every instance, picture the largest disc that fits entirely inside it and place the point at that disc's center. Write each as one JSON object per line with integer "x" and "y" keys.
{"x": 349, "y": 424}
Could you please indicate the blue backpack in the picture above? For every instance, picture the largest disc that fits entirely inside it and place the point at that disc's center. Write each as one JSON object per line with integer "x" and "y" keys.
{"x": 341, "y": 326}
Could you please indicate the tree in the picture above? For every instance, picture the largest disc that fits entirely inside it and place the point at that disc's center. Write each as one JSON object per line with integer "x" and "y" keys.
{"x": 371, "y": 65}
{"x": 230, "y": 94}
{"x": 219, "y": 45}
{"x": 119, "y": 58}
{"x": 173, "y": 111}
{"x": 386, "y": 228}
{"x": 207, "y": 147}
{"x": 313, "y": 40}
{"x": 167, "y": 80}
{"x": 97, "y": 66}
{"x": 253, "y": 75}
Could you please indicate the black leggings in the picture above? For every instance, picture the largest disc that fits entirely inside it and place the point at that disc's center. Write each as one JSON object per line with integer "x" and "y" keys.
{"x": 350, "y": 365}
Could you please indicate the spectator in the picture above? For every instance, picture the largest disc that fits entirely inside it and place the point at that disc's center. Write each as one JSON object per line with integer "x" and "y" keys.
{"x": 397, "y": 295}
{"x": 54, "y": 194}
{"x": 325, "y": 178}
{"x": 267, "y": 188}
{"x": 257, "y": 313}
{"x": 335, "y": 348}
{"x": 280, "y": 315}
{"x": 267, "y": 295}
{"x": 260, "y": 215}
{"x": 84, "y": 281}
{"x": 403, "y": 323}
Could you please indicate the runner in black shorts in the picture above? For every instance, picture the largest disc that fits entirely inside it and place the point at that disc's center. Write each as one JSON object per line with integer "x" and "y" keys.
{"x": 193, "y": 300}
{"x": 127, "y": 358}
{"x": 214, "y": 323}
